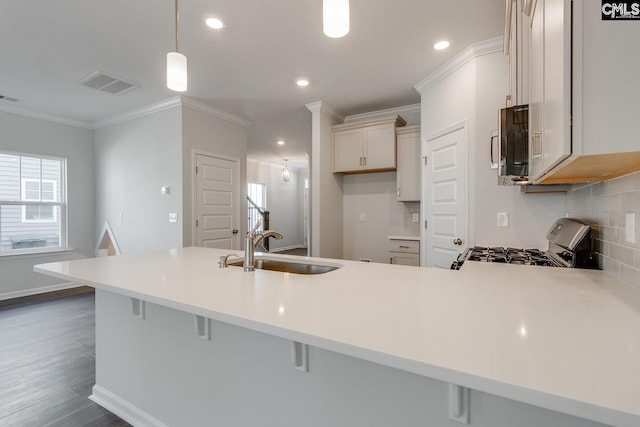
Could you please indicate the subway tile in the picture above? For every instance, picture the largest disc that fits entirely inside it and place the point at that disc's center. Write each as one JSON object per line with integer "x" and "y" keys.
{"x": 617, "y": 219}
{"x": 606, "y": 248}
{"x": 611, "y": 266}
{"x": 610, "y": 203}
{"x": 600, "y": 189}
{"x": 610, "y": 234}
{"x": 630, "y": 201}
{"x": 622, "y": 254}
{"x": 630, "y": 276}
{"x": 623, "y": 184}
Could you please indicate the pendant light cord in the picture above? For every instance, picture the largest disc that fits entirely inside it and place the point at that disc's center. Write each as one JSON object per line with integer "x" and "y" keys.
{"x": 177, "y": 50}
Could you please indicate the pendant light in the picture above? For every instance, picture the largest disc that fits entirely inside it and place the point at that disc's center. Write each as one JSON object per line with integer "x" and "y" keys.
{"x": 176, "y": 65}
{"x": 286, "y": 175}
{"x": 335, "y": 18}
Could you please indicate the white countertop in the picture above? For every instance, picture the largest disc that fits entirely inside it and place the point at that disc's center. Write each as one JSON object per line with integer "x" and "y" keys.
{"x": 562, "y": 339}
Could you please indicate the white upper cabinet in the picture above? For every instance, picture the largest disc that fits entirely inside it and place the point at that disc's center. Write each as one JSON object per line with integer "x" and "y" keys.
{"x": 366, "y": 146}
{"x": 583, "y": 123}
{"x": 408, "y": 172}
{"x": 516, "y": 47}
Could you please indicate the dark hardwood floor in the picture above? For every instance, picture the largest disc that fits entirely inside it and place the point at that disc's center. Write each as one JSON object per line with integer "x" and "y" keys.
{"x": 47, "y": 362}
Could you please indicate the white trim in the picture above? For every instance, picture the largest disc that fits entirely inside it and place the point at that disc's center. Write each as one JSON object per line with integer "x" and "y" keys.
{"x": 106, "y": 229}
{"x": 194, "y": 192}
{"x": 475, "y": 50}
{"x": 157, "y": 107}
{"x": 178, "y": 101}
{"x": 286, "y": 248}
{"x": 207, "y": 109}
{"x": 323, "y": 107}
{"x": 37, "y": 291}
{"x": 123, "y": 408}
{"x": 21, "y": 111}
{"x": 410, "y": 109}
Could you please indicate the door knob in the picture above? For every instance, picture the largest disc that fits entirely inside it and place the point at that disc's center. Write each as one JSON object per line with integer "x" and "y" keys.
{"x": 235, "y": 231}
{"x": 457, "y": 242}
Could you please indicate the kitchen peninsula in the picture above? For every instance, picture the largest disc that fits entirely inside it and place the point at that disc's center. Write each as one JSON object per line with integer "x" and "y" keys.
{"x": 181, "y": 342}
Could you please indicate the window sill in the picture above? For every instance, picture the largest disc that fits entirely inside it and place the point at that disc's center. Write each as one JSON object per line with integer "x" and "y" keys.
{"x": 35, "y": 253}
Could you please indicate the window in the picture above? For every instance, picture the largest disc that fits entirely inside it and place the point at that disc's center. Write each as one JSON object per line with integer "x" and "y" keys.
{"x": 32, "y": 203}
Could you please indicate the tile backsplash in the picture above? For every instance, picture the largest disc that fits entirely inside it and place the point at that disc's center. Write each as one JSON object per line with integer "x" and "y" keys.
{"x": 605, "y": 206}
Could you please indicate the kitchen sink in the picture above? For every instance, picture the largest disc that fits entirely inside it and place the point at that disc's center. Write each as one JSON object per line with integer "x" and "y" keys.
{"x": 288, "y": 266}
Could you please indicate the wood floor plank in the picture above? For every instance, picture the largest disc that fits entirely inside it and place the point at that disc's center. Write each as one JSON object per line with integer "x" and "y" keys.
{"x": 47, "y": 363}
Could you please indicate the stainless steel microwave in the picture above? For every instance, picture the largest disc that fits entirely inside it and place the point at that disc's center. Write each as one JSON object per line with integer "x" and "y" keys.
{"x": 513, "y": 145}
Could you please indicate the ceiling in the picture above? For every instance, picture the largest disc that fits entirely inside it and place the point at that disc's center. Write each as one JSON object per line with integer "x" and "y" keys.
{"x": 248, "y": 69}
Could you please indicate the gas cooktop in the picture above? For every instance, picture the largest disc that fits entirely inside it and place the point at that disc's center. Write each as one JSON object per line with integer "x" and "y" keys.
{"x": 569, "y": 246}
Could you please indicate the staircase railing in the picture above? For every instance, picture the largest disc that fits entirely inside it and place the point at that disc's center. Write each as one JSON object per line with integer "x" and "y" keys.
{"x": 256, "y": 213}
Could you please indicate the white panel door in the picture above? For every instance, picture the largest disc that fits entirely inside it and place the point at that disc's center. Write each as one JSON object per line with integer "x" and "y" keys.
{"x": 217, "y": 203}
{"x": 445, "y": 195}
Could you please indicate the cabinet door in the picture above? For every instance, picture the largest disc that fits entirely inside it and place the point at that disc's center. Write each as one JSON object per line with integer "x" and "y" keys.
{"x": 408, "y": 172}
{"x": 536, "y": 89}
{"x": 553, "y": 144}
{"x": 380, "y": 147}
{"x": 347, "y": 150}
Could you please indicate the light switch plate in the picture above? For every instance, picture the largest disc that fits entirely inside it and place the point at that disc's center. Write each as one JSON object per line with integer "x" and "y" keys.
{"x": 173, "y": 217}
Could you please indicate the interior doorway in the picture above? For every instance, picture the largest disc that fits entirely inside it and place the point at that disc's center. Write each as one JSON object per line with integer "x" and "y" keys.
{"x": 217, "y": 202}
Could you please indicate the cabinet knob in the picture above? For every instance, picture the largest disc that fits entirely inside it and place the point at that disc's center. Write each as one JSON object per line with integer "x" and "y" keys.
{"x": 457, "y": 241}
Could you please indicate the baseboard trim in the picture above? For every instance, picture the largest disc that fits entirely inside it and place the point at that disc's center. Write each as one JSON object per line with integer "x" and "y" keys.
{"x": 122, "y": 408}
{"x": 37, "y": 291}
{"x": 287, "y": 248}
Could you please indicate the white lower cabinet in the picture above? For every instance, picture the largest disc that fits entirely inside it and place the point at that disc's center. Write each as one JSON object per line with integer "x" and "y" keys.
{"x": 404, "y": 251}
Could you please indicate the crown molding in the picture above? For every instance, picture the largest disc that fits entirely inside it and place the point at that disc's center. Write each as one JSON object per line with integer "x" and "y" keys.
{"x": 409, "y": 109}
{"x": 44, "y": 116}
{"x": 207, "y": 109}
{"x": 473, "y": 51}
{"x": 323, "y": 107}
{"x": 138, "y": 113}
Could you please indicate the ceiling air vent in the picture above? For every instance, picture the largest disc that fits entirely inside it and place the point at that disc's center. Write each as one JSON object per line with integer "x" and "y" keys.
{"x": 107, "y": 83}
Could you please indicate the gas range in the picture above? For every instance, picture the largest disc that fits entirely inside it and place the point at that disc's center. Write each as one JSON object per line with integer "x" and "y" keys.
{"x": 569, "y": 246}
{"x": 509, "y": 256}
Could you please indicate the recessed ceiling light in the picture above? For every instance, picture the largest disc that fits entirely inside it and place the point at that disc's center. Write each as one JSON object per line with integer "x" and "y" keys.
{"x": 281, "y": 142}
{"x": 302, "y": 82}
{"x": 214, "y": 23}
{"x": 441, "y": 45}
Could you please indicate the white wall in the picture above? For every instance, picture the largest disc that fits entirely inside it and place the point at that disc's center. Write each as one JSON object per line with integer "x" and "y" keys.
{"x": 475, "y": 92}
{"x": 134, "y": 159}
{"x": 374, "y": 195}
{"x": 206, "y": 131}
{"x": 37, "y": 136}
{"x": 285, "y": 202}
{"x": 326, "y": 187}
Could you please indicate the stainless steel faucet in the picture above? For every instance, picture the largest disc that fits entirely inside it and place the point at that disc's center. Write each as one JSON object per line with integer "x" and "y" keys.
{"x": 250, "y": 243}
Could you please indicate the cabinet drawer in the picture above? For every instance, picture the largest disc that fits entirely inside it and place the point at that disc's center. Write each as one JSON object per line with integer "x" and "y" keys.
{"x": 407, "y": 246}
{"x": 404, "y": 259}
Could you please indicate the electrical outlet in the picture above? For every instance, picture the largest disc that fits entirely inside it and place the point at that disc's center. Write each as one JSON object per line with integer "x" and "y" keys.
{"x": 173, "y": 217}
{"x": 363, "y": 217}
{"x": 415, "y": 217}
{"x": 630, "y": 229}
{"x": 503, "y": 219}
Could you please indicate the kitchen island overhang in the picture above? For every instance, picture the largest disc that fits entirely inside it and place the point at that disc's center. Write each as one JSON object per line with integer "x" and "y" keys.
{"x": 555, "y": 338}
